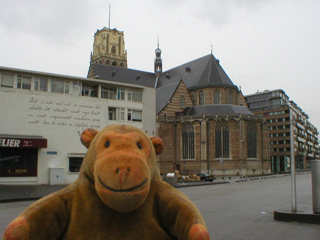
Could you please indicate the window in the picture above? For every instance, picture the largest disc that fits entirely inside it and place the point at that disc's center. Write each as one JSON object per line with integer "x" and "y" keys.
{"x": 108, "y": 93}
{"x": 75, "y": 164}
{"x": 59, "y": 86}
{"x": 113, "y": 50}
{"x": 24, "y": 82}
{"x": 134, "y": 95}
{"x": 182, "y": 101}
{"x": 121, "y": 92}
{"x": 121, "y": 112}
{"x": 18, "y": 162}
{"x": 112, "y": 113}
{"x": 66, "y": 87}
{"x": 134, "y": 115}
{"x": 252, "y": 141}
{"x": 201, "y": 98}
{"x": 222, "y": 141}
{"x": 6, "y": 80}
{"x": 216, "y": 97}
{"x": 188, "y": 141}
{"x": 41, "y": 84}
{"x": 230, "y": 97}
{"x": 88, "y": 90}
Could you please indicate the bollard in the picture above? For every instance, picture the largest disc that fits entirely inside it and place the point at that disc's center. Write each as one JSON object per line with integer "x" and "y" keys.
{"x": 315, "y": 170}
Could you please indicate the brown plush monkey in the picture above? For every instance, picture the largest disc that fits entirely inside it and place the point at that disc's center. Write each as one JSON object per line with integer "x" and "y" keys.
{"x": 119, "y": 195}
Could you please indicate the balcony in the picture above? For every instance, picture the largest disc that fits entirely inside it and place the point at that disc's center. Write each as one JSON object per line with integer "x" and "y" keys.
{"x": 309, "y": 143}
{"x": 301, "y": 139}
{"x": 299, "y": 125}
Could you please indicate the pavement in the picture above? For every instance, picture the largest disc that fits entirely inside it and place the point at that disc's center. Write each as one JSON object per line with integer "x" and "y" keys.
{"x": 234, "y": 209}
{"x": 12, "y": 193}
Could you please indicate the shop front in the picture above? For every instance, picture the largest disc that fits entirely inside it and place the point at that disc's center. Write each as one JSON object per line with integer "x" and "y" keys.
{"x": 19, "y": 155}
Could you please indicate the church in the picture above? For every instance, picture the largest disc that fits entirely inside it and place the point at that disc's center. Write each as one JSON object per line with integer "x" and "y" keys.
{"x": 201, "y": 115}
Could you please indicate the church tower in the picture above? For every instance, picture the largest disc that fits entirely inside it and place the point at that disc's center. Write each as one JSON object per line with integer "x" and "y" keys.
{"x": 158, "y": 62}
{"x": 108, "y": 49}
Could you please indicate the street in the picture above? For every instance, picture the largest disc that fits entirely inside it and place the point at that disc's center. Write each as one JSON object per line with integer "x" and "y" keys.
{"x": 241, "y": 210}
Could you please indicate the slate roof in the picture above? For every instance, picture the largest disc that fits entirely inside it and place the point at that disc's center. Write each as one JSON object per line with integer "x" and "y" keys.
{"x": 124, "y": 75}
{"x": 164, "y": 95}
{"x": 202, "y": 72}
{"x": 217, "y": 109}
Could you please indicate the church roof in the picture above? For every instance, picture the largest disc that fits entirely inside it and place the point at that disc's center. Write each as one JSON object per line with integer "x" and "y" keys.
{"x": 200, "y": 73}
{"x": 217, "y": 109}
{"x": 164, "y": 95}
{"x": 124, "y": 75}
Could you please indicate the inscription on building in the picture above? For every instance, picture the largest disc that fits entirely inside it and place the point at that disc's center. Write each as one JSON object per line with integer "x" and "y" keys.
{"x": 64, "y": 113}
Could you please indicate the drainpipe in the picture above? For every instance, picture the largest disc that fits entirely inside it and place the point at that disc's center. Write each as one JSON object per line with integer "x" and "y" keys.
{"x": 175, "y": 145}
{"x": 208, "y": 146}
{"x": 261, "y": 135}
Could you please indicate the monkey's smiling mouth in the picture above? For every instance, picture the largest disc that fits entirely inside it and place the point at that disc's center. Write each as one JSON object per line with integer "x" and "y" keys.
{"x": 122, "y": 190}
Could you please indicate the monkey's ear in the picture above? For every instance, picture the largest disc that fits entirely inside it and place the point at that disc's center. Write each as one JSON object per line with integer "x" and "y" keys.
{"x": 157, "y": 144}
{"x": 87, "y": 136}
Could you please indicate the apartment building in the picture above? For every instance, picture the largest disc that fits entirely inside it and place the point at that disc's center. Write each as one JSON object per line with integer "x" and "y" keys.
{"x": 281, "y": 113}
{"x": 43, "y": 114}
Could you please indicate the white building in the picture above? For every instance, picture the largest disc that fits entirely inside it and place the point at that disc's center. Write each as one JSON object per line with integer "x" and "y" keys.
{"x": 42, "y": 116}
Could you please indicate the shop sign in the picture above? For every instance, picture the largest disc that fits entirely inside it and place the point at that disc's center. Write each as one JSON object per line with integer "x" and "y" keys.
{"x": 23, "y": 143}
{"x": 18, "y": 172}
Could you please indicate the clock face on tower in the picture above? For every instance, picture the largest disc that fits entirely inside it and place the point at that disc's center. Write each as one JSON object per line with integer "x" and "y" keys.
{"x": 114, "y": 38}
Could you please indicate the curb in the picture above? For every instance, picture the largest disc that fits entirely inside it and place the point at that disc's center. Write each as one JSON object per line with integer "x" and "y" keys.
{"x": 6, "y": 200}
{"x": 197, "y": 184}
{"x": 300, "y": 217}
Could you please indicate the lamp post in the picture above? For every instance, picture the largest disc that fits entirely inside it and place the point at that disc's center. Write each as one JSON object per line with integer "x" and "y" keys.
{"x": 293, "y": 167}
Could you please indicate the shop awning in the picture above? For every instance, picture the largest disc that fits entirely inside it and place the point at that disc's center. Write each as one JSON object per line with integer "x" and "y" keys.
{"x": 22, "y": 141}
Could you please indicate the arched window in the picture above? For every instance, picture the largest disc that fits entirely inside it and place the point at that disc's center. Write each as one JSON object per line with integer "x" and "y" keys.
{"x": 222, "y": 141}
{"x": 182, "y": 101}
{"x": 230, "y": 97}
{"x": 252, "y": 141}
{"x": 113, "y": 50}
{"x": 108, "y": 62}
{"x": 216, "y": 96}
{"x": 114, "y": 63}
{"x": 188, "y": 141}
{"x": 122, "y": 64}
{"x": 201, "y": 98}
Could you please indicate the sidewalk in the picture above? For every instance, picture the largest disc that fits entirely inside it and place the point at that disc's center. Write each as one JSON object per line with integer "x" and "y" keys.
{"x": 9, "y": 192}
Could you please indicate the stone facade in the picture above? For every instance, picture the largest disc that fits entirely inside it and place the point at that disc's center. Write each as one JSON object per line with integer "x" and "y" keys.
{"x": 108, "y": 49}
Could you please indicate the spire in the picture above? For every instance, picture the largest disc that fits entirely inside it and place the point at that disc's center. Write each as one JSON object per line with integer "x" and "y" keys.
{"x": 158, "y": 61}
{"x": 109, "y": 14}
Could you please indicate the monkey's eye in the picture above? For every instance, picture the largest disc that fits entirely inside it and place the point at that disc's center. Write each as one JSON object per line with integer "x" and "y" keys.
{"x": 107, "y": 144}
{"x": 139, "y": 145}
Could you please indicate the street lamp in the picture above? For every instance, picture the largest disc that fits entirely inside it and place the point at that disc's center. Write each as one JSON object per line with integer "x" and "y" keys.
{"x": 293, "y": 167}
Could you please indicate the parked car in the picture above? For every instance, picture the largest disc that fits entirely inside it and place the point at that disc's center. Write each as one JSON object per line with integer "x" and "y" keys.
{"x": 206, "y": 177}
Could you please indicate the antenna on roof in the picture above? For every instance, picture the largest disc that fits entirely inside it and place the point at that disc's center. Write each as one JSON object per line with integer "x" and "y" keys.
{"x": 109, "y": 14}
{"x": 211, "y": 48}
{"x": 158, "y": 41}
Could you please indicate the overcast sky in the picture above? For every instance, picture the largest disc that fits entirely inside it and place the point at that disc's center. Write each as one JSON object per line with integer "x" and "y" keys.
{"x": 261, "y": 44}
